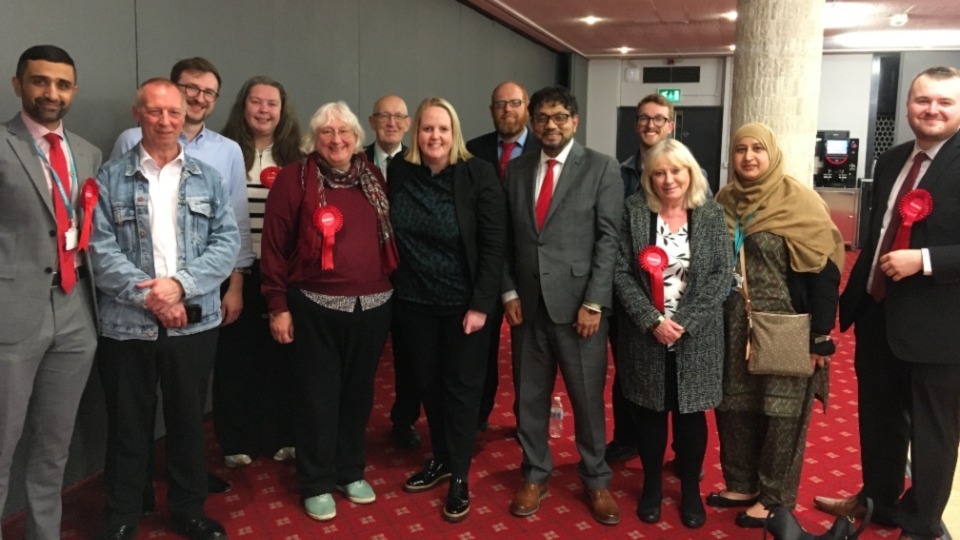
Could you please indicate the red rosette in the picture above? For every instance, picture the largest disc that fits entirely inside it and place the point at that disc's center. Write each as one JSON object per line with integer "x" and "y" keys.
{"x": 328, "y": 220}
{"x": 653, "y": 260}
{"x": 268, "y": 176}
{"x": 915, "y": 206}
{"x": 89, "y": 196}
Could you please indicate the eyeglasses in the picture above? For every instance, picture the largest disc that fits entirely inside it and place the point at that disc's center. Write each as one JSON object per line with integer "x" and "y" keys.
{"x": 328, "y": 134}
{"x": 513, "y": 103}
{"x": 559, "y": 119}
{"x": 192, "y": 90}
{"x": 384, "y": 117}
{"x": 658, "y": 121}
{"x": 156, "y": 114}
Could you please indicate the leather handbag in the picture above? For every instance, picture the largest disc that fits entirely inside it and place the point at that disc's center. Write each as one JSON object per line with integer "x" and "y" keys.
{"x": 783, "y": 525}
{"x": 777, "y": 343}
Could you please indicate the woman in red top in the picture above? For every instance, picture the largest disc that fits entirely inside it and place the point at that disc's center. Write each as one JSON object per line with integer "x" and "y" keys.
{"x": 327, "y": 254}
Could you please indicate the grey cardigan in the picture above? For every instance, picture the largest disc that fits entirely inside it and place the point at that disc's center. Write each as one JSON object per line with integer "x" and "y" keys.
{"x": 700, "y": 350}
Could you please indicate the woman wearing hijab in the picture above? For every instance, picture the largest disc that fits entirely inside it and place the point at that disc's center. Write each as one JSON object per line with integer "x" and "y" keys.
{"x": 793, "y": 255}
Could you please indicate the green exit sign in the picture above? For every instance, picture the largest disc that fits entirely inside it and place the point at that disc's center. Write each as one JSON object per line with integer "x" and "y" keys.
{"x": 672, "y": 94}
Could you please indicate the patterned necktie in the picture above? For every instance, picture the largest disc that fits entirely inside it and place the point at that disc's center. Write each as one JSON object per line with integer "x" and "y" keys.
{"x": 58, "y": 161}
{"x": 506, "y": 152}
{"x": 546, "y": 194}
{"x": 878, "y": 288}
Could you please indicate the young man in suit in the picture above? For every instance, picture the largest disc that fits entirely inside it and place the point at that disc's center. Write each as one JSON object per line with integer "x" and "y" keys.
{"x": 48, "y": 329}
{"x": 565, "y": 203}
{"x": 905, "y": 303}
{"x": 509, "y": 139}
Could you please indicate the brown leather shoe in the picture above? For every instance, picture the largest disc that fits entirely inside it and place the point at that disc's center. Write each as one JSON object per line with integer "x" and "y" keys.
{"x": 526, "y": 501}
{"x": 602, "y": 506}
{"x": 851, "y": 506}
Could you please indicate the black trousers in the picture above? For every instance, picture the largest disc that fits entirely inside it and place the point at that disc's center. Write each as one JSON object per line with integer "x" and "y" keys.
{"x": 905, "y": 404}
{"x": 689, "y": 441}
{"x": 406, "y": 402}
{"x": 252, "y": 399}
{"x": 449, "y": 366}
{"x": 625, "y": 428}
{"x": 335, "y": 357}
{"x": 492, "y": 377}
{"x": 129, "y": 372}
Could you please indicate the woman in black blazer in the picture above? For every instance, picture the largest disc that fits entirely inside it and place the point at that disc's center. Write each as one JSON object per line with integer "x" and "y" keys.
{"x": 449, "y": 216}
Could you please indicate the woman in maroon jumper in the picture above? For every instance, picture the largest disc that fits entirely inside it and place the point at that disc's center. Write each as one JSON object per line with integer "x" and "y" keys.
{"x": 327, "y": 255}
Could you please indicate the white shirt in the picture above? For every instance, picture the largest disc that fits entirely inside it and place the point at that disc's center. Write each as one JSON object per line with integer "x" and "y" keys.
{"x": 257, "y": 195}
{"x": 557, "y": 169}
{"x": 380, "y": 157}
{"x": 164, "y": 190}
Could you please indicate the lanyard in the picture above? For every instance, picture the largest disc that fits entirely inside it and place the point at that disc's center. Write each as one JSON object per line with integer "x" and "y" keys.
{"x": 56, "y": 178}
{"x": 739, "y": 235}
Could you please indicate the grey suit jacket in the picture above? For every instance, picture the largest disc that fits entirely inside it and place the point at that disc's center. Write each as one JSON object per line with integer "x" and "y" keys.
{"x": 28, "y": 249}
{"x": 571, "y": 260}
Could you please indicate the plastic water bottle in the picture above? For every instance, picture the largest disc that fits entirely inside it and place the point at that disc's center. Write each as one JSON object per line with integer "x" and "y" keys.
{"x": 556, "y": 418}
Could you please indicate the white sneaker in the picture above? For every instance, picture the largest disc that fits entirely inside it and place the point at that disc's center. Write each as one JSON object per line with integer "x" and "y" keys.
{"x": 285, "y": 454}
{"x": 237, "y": 460}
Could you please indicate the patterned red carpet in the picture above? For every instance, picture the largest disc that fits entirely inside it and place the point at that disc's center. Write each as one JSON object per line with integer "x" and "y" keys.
{"x": 264, "y": 504}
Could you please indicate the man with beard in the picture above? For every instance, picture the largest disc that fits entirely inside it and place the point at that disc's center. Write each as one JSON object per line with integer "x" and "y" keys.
{"x": 48, "y": 331}
{"x": 565, "y": 203}
{"x": 905, "y": 302}
{"x": 199, "y": 82}
{"x": 508, "y": 108}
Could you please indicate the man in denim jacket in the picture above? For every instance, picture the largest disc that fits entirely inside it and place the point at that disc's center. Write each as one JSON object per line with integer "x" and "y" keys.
{"x": 164, "y": 238}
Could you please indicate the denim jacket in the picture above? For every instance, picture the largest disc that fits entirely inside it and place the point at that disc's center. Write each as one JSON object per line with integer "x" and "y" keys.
{"x": 122, "y": 251}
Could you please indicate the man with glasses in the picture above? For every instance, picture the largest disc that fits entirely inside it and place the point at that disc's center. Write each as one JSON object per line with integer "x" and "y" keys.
{"x": 510, "y": 139}
{"x": 565, "y": 203}
{"x": 199, "y": 82}
{"x": 48, "y": 332}
{"x": 390, "y": 122}
{"x": 164, "y": 238}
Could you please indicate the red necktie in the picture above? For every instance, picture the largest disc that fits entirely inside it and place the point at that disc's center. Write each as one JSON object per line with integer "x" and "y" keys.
{"x": 878, "y": 289}
{"x": 58, "y": 161}
{"x": 506, "y": 152}
{"x": 546, "y": 194}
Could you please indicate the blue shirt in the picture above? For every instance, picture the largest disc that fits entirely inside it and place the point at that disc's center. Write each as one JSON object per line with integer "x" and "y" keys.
{"x": 225, "y": 157}
{"x": 521, "y": 142}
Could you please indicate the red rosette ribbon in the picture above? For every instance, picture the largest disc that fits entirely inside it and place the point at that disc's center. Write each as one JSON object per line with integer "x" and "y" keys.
{"x": 328, "y": 220}
{"x": 268, "y": 176}
{"x": 89, "y": 196}
{"x": 915, "y": 206}
{"x": 653, "y": 260}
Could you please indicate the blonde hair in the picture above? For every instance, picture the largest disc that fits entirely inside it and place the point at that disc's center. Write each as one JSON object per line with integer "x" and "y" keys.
{"x": 458, "y": 149}
{"x": 676, "y": 154}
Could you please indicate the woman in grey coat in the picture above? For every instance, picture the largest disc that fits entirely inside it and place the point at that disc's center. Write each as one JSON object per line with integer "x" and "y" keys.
{"x": 672, "y": 274}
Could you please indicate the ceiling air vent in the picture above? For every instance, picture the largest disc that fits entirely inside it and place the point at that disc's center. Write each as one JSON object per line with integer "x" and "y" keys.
{"x": 678, "y": 74}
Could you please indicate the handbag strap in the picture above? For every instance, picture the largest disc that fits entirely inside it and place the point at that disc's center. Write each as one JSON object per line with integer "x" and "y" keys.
{"x": 748, "y": 306}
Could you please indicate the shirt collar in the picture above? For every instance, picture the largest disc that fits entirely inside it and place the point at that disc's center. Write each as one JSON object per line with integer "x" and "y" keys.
{"x": 147, "y": 159}
{"x": 521, "y": 140}
{"x": 381, "y": 156}
{"x": 931, "y": 152}
{"x": 37, "y": 130}
{"x": 561, "y": 157}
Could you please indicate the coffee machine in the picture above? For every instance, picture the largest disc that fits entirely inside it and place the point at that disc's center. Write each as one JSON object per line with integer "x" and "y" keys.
{"x": 836, "y": 159}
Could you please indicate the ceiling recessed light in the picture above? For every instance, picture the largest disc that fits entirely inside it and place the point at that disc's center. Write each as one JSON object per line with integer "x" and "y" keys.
{"x": 730, "y": 15}
{"x": 899, "y": 19}
{"x": 591, "y": 19}
{"x": 624, "y": 50}
{"x": 732, "y": 47}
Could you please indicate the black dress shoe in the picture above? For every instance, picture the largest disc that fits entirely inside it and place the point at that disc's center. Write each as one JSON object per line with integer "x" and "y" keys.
{"x": 406, "y": 437}
{"x": 747, "y": 521}
{"x": 201, "y": 528}
{"x": 692, "y": 513}
{"x": 119, "y": 532}
{"x": 617, "y": 452}
{"x": 458, "y": 501}
{"x": 717, "y": 500}
{"x": 649, "y": 515}
{"x": 431, "y": 474}
{"x": 215, "y": 484}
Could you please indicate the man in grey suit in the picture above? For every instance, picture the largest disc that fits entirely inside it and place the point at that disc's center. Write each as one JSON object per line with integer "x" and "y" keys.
{"x": 565, "y": 203}
{"x": 47, "y": 321}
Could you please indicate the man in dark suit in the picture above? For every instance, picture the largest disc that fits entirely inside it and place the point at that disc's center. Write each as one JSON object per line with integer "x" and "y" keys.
{"x": 906, "y": 306}
{"x": 390, "y": 122}
{"x": 565, "y": 204}
{"x": 510, "y": 139}
{"x": 47, "y": 320}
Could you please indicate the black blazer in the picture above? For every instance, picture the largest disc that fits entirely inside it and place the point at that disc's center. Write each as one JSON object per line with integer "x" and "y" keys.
{"x": 482, "y": 218}
{"x": 368, "y": 151}
{"x": 485, "y": 147}
{"x": 922, "y": 312}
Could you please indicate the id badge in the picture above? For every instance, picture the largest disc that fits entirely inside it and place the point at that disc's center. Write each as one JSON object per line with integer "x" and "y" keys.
{"x": 70, "y": 239}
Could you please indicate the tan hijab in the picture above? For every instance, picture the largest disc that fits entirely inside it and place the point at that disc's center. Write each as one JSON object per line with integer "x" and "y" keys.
{"x": 783, "y": 206}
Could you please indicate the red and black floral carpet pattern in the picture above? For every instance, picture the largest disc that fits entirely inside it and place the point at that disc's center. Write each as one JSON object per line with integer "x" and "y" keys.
{"x": 264, "y": 504}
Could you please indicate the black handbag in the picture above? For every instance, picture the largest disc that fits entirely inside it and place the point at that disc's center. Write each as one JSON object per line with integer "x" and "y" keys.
{"x": 783, "y": 525}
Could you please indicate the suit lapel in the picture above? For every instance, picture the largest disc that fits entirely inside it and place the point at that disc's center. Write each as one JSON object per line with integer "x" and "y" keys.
{"x": 948, "y": 153}
{"x": 23, "y": 147}
{"x": 571, "y": 171}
